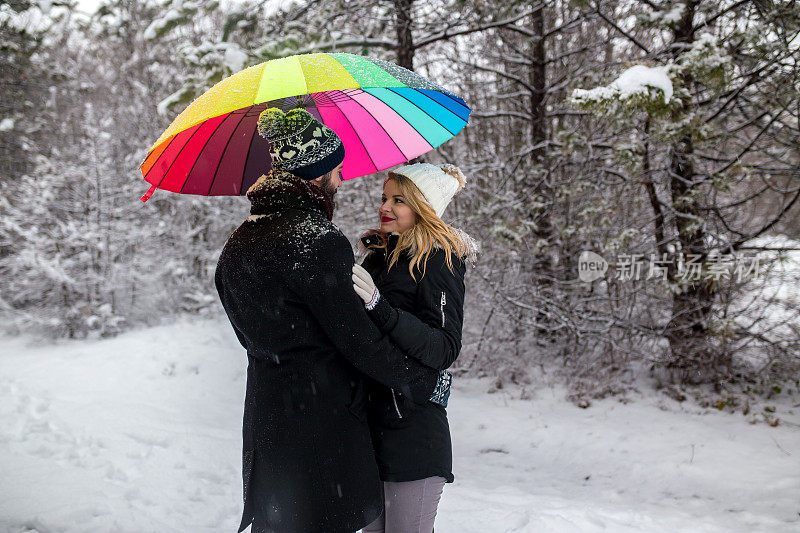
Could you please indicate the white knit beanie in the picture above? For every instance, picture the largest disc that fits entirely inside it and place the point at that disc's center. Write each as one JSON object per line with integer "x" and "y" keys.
{"x": 437, "y": 184}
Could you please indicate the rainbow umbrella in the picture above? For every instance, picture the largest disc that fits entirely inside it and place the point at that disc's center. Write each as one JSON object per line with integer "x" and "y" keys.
{"x": 384, "y": 114}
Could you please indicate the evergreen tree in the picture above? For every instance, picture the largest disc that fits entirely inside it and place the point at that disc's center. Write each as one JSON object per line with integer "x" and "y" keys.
{"x": 709, "y": 115}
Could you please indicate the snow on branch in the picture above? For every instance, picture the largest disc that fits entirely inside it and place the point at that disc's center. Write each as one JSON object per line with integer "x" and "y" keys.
{"x": 705, "y": 59}
{"x": 183, "y": 95}
{"x": 178, "y": 13}
{"x": 637, "y": 80}
{"x": 671, "y": 14}
{"x": 638, "y": 86}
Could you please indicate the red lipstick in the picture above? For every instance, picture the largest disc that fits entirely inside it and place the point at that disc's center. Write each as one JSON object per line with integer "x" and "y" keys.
{"x": 386, "y": 219}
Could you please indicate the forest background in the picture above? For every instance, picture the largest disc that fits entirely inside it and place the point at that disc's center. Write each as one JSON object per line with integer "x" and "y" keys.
{"x": 661, "y": 136}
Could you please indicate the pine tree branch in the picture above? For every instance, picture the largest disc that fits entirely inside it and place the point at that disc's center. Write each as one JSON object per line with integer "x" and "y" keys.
{"x": 768, "y": 225}
{"x": 566, "y": 25}
{"x": 495, "y": 114}
{"x": 749, "y": 145}
{"x": 528, "y": 33}
{"x": 297, "y": 14}
{"x": 445, "y": 35}
{"x": 614, "y": 25}
{"x": 332, "y": 45}
{"x": 719, "y": 14}
{"x": 739, "y": 202}
{"x": 502, "y": 74}
{"x": 582, "y": 49}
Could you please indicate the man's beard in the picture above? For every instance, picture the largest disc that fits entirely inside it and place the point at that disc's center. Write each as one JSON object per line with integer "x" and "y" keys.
{"x": 326, "y": 186}
{"x": 330, "y": 190}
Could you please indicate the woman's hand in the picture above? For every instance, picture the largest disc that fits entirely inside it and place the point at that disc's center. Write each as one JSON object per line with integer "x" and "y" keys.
{"x": 365, "y": 287}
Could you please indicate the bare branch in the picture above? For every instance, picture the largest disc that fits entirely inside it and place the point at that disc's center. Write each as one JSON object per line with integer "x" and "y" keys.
{"x": 768, "y": 225}
{"x": 449, "y": 35}
{"x": 614, "y": 25}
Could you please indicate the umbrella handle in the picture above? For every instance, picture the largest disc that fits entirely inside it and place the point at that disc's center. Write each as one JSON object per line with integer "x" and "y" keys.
{"x": 149, "y": 193}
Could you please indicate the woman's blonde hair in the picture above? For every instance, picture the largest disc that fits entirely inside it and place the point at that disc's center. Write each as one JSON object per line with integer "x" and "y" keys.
{"x": 428, "y": 231}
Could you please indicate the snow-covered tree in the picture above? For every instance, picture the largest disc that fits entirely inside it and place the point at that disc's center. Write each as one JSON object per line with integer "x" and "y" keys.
{"x": 712, "y": 105}
{"x": 25, "y": 77}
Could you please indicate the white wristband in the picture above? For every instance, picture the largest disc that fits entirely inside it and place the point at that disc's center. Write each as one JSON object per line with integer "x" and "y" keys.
{"x": 370, "y": 305}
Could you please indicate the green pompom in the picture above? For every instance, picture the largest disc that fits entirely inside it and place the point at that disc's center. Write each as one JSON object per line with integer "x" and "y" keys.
{"x": 297, "y": 118}
{"x": 271, "y": 123}
{"x": 274, "y": 123}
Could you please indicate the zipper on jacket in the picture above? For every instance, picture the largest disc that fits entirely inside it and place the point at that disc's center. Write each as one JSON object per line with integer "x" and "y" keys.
{"x": 394, "y": 401}
{"x": 444, "y": 301}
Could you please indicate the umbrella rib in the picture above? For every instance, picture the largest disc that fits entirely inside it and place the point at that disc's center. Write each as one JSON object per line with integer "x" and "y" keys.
{"x": 216, "y": 170}
{"x": 159, "y": 157}
{"x": 418, "y": 107}
{"x": 221, "y": 122}
{"x": 379, "y": 124}
{"x": 456, "y": 101}
{"x": 407, "y": 122}
{"x": 447, "y": 109}
{"x": 247, "y": 157}
{"x": 196, "y": 129}
{"x": 357, "y": 135}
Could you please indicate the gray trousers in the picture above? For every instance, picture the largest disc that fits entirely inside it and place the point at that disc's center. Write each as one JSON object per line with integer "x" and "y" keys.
{"x": 408, "y": 506}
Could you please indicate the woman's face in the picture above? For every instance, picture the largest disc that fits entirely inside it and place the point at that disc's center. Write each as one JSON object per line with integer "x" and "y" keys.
{"x": 394, "y": 214}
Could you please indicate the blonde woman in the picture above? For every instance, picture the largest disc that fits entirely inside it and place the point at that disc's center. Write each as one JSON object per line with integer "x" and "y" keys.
{"x": 412, "y": 284}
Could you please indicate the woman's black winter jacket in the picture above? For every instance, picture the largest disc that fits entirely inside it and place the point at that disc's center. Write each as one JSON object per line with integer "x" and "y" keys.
{"x": 423, "y": 318}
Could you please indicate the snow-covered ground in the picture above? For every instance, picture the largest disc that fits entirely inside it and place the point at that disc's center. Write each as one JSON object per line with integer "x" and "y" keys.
{"x": 141, "y": 433}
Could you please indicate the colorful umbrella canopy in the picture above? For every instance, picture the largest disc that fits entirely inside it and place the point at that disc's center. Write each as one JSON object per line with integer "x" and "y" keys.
{"x": 384, "y": 114}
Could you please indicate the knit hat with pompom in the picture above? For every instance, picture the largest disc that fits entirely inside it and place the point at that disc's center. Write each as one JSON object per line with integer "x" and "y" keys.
{"x": 437, "y": 183}
{"x": 299, "y": 143}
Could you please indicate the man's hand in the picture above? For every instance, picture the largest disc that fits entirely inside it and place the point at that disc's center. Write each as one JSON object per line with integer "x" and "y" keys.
{"x": 365, "y": 287}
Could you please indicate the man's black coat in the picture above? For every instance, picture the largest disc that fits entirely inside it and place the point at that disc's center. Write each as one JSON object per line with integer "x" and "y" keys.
{"x": 284, "y": 278}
